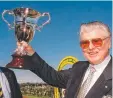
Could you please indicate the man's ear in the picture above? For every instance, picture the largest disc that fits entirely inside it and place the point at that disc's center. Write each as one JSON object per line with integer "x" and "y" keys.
{"x": 110, "y": 43}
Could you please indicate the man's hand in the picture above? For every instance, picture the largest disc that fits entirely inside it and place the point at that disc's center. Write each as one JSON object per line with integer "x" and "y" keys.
{"x": 27, "y": 48}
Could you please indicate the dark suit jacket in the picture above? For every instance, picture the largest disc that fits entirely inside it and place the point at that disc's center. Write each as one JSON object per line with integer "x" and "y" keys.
{"x": 14, "y": 87}
{"x": 71, "y": 78}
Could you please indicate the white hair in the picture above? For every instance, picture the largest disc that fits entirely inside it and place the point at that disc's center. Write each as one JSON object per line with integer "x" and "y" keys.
{"x": 86, "y": 27}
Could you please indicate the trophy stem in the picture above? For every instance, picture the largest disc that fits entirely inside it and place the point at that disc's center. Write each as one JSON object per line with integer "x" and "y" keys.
{"x": 17, "y": 62}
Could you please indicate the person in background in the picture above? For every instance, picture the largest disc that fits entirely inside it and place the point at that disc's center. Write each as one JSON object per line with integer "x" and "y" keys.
{"x": 86, "y": 79}
{"x": 9, "y": 87}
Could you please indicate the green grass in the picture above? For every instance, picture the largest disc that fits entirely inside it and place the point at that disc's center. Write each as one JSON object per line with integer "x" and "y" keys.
{"x": 35, "y": 96}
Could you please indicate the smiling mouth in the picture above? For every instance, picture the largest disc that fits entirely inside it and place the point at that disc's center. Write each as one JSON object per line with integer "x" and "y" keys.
{"x": 93, "y": 53}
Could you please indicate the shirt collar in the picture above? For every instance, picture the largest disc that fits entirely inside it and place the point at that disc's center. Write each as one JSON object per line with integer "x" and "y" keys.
{"x": 103, "y": 64}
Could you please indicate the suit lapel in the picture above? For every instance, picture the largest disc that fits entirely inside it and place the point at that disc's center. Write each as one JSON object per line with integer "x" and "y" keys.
{"x": 103, "y": 84}
{"x": 9, "y": 78}
{"x": 75, "y": 81}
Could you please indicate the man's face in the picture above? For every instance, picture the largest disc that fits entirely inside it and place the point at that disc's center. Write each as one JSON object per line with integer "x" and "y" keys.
{"x": 96, "y": 54}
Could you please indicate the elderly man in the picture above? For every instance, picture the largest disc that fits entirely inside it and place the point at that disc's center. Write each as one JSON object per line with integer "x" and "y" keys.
{"x": 86, "y": 79}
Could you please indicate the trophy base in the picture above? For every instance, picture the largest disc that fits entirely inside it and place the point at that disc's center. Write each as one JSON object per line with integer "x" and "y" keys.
{"x": 17, "y": 62}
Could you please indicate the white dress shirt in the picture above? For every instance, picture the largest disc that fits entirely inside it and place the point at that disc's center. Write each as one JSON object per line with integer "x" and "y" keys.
{"x": 99, "y": 69}
{"x": 5, "y": 85}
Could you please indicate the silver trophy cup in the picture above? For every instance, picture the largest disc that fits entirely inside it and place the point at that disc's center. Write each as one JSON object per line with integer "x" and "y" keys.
{"x": 24, "y": 24}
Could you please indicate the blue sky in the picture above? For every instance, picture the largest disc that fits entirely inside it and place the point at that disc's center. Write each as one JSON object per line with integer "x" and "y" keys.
{"x": 58, "y": 39}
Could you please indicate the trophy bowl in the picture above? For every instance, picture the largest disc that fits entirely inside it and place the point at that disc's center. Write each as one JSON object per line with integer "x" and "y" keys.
{"x": 24, "y": 24}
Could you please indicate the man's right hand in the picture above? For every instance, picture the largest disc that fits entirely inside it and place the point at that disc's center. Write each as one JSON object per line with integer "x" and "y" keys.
{"x": 29, "y": 50}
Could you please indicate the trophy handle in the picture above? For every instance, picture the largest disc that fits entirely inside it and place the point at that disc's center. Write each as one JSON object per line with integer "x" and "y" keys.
{"x": 10, "y": 13}
{"x": 49, "y": 18}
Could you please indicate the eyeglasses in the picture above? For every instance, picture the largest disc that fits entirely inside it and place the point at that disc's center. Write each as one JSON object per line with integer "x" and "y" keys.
{"x": 97, "y": 42}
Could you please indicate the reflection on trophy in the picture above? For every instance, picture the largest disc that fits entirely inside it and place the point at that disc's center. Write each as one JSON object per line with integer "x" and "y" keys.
{"x": 25, "y": 23}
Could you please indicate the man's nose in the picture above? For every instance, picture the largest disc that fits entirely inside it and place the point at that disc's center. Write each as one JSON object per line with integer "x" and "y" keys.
{"x": 91, "y": 46}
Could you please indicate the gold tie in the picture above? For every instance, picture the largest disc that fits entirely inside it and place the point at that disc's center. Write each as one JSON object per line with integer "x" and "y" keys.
{"x": 85, "y": 85}
{"x": 1, "y": 92}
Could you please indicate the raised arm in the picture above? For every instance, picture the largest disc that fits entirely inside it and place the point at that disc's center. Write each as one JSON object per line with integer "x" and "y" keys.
{"x": 48, "y": 74}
